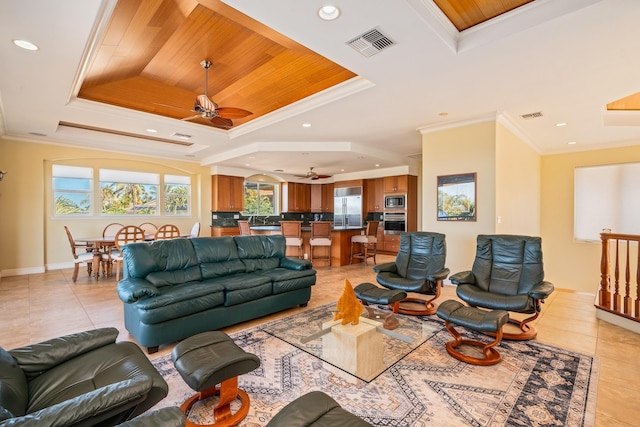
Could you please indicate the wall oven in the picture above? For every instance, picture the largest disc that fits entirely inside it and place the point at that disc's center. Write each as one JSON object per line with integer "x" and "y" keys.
{"x": 395, "y": 201}
{"x": 395, "y": 222}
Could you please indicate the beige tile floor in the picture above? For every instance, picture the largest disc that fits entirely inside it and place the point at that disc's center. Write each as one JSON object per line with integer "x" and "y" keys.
{"x": 42, "y": 306}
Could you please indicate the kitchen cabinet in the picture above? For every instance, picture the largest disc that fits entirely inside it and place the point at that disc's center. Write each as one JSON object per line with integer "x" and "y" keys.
{"x": 396, "y": 184}
{"x": 296, "y": 197}
{"x": 391, "y": 243}
{"x": 224, "y": 231}
{"x": 375, "y": 194}
{"x": 227, "y": 193}
{"x": 321, "y": 197}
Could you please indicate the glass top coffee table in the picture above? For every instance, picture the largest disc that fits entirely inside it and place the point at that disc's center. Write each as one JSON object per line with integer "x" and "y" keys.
{"x": 362, "y": 350}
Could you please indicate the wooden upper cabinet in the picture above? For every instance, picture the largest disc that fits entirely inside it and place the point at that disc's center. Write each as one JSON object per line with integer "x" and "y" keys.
{"x": 396, "y": 184}
{"x": 375, "y": 194}
{"x": 327, "y": 198}
{"x": 227, "y": 193}
{"x": 321, "y": 197}
{"x": 296, "y": 197}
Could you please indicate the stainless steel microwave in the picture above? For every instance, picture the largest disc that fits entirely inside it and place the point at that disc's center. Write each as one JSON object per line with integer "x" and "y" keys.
{"x": 395, "y": 201}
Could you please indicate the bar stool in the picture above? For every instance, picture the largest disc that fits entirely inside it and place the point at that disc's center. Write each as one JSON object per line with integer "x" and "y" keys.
{"x": 367, "y": 242}
{"x": 245, "y": 230}
{"x": 320, "y": 237}
{"x": 292, "y": 232}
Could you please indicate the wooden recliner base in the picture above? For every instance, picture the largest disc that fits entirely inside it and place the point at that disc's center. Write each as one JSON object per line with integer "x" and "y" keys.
{"x": 492, "y": 356}
{"x": 430, "y": 307}
{"x": 529, "y": 332}
{"x": 390, "y": 320}
{"x": 228, "y": 392}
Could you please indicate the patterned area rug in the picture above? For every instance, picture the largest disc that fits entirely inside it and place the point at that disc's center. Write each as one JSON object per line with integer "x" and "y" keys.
{"x": 533, "y": 385}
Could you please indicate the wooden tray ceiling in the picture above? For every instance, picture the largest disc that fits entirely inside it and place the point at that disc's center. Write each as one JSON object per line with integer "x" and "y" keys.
{"x": 149, "y": 60}
{"x": 465, "y": 14}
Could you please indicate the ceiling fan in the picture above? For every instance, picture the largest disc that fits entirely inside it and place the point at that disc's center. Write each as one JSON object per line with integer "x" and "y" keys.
{"x": 312, "y": 175}
{"x": 207, "y": 109}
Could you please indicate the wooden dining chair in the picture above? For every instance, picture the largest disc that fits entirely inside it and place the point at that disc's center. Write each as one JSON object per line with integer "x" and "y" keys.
{"x": 367, "y": 243}
{"x": 112, "y": 229}
{"x": 149, "y": 228}
{"x": 127, "y": 234}
{"x": 292, "y": 232}
{"x": 82, "y": 254}
{"x": 167, "y": 231}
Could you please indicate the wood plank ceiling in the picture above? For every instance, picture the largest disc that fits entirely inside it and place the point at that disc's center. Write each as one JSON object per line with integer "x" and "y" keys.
{"x": 149, "y": 58}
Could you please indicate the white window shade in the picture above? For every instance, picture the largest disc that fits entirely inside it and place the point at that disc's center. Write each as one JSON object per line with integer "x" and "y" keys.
{"x": 129, "y": 177}
{"x": 606, "y": 197}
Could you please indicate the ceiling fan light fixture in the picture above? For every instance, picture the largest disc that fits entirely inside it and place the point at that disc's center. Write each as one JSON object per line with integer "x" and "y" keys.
{"x": 329, "y": 13}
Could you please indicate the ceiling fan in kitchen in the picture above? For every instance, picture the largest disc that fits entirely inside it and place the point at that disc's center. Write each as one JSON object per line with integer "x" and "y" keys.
{"x": 312, "y": 175}
{"x": 206, "y": 108}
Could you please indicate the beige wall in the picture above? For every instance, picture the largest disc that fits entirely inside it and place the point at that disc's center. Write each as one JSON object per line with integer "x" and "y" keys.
{"x": 517, "y": 185}
{"x": 25, "y": 206}
{"x": 456, "y": 151}
{"x": 569, "y": 263}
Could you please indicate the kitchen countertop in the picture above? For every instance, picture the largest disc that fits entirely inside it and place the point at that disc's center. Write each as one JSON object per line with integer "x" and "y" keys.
{"x": 273, "y": 227}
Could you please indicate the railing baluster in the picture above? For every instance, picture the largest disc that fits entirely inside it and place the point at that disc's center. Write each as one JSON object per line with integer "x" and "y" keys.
{"x": 616, "y": 293}
{"x": 629, "y": 305}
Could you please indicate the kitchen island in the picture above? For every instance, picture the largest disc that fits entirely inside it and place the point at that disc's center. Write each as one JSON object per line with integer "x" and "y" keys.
{"x": 340, "y": 242}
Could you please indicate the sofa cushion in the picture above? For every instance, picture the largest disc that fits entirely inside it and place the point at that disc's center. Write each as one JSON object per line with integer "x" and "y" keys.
{"x": 260, "y": 252}
{"x": 174, "y": 277}
{"x": 284, "y": 280}
{"x": 239, "y": 288}
{"x": 161, "y": 255}
{"x": 218, "y": 256}
{"x": 14, "y": 394}
{"x": 180, "y": 301}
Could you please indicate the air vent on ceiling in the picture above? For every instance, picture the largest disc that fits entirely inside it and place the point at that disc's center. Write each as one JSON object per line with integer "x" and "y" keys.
{"x": 532, "y": 115}
{"x": 371, "y": 42}
{"x": 181, "y": 136}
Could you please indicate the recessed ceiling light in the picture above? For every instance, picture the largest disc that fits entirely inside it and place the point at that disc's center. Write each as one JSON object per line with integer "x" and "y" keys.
{"x": 25, "y": 44}
{"x": 377, "y": 165}
{"x": 560, "y": 124}
{"x": 571, "y": 143}
{"x": 328, "y": 13}
{"x": 444, "y": 113}
{"x": 341, "y": 170}
{"x": 306, "y": 125}
{"x": 152, "y": 131}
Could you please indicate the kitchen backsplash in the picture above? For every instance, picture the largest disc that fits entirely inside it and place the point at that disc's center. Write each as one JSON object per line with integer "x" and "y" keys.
{"x": 230, "y": 219}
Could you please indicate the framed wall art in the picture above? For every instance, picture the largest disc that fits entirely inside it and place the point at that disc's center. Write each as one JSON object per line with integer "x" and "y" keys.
{"x": 457, "y": 197}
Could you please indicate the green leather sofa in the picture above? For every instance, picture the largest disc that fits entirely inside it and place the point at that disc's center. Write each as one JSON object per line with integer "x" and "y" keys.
{"x": 82, "y": 379}
{"x": 173, "y": 289}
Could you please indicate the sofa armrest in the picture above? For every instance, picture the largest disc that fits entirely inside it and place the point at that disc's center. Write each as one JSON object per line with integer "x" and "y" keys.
{"x": 542, "y": 290}
{"x": 440, "y": 275}
{"x": 72, "y": 412}
{"x": 37, "y": 358}
{"x": 295, "y": 264}
{"x": 386, "y": 266}
{"x": 170, "y": 416}
{"x": 131, "y": 290}
{"x": 463, "y": 277}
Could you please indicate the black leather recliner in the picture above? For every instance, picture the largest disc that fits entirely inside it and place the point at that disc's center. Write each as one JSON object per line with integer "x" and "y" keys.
{"x": 507, "y": 274}
{"x": 419, "y": 267}
{"x": 82, "y": 379}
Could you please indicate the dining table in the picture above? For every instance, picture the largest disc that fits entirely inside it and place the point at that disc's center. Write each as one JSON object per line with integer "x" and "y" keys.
{"x": 99, "y": 244}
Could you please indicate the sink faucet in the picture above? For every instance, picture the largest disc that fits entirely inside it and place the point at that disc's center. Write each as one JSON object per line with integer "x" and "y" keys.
{"x": 265, "y": 220}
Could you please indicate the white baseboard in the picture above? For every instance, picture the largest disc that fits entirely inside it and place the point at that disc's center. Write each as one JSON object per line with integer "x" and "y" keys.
{"x": 623, "y": 322}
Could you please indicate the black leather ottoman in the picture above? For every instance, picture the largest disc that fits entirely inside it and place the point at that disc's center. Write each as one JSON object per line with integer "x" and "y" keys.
{"x": 208, "y": 359}
{"x": 315, "y": 409}
{"x": 455, "y": 313}
{"x": 370, "y": 293}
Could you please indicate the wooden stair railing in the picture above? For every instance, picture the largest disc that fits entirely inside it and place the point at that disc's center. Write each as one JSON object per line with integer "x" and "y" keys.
{"x": 620, "y": 253}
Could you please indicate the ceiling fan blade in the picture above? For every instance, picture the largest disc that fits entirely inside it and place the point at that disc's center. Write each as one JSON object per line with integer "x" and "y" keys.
{"x": 323, "y": 176}
{"x": 207, "y": 104}
{"x": 233, "y": 113}
{"x": 192, "y": 117}
{"x": 222, "y": 122}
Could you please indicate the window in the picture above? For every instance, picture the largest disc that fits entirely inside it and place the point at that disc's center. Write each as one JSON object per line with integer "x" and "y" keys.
{"x": 260, "y": 198}
{"x": 177, "y": 195}
{"x": 128, "y": 193}
{"x": 72, "y": 190}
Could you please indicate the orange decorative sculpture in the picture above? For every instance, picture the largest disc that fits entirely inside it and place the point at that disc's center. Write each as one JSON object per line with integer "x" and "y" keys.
{"x": 349, "y": 308}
